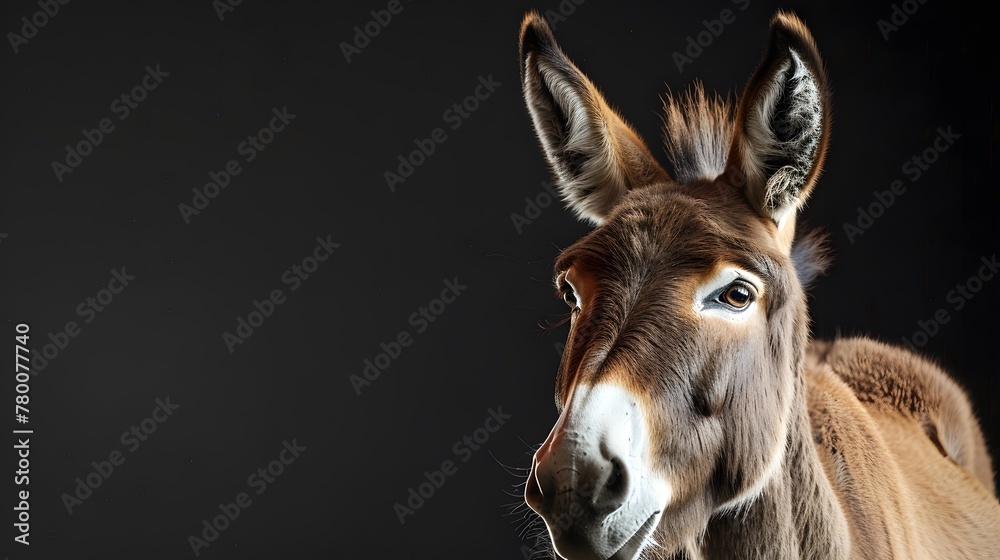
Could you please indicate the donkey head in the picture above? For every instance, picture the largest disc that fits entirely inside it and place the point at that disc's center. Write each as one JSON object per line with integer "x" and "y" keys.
{"x": 688, "y": 319}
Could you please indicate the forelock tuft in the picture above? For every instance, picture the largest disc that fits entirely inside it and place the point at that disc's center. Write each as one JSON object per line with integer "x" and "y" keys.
{"x": 697, "y": 132}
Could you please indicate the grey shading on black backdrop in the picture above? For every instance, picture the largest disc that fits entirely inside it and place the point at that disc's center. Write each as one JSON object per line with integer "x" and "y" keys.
{"x": 316, "y": 186}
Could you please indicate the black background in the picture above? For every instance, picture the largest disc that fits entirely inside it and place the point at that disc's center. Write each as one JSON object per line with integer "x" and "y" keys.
{"x": 323, "y": 176}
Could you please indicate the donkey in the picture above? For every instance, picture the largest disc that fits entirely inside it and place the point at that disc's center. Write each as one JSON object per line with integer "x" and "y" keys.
{"x": 696, "y": 416}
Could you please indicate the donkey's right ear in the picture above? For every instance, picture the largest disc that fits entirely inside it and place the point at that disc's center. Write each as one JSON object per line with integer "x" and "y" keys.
{"x": 594, "y": 154}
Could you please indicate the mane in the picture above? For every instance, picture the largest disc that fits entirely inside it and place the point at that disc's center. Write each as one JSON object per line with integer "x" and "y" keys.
{"x": 697, "y": 131}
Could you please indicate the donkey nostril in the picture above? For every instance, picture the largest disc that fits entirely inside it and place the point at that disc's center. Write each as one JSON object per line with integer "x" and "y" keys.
{"x": 614, "y": 492}
{"x": 533, "y": 495}
{"x": 614, "y": 482}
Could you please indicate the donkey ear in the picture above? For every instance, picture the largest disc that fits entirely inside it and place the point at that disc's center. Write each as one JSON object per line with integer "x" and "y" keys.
{"x": 594, "y": 154}
{"x": 782, "y": 123}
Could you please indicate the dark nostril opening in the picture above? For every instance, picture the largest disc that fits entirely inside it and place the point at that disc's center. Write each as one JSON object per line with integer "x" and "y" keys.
{"x": 615, "y": 479}
{"x": 614, "y": 492}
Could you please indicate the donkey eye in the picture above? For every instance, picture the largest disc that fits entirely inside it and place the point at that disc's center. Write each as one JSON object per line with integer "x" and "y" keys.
{"x": 736, "y": 295}
{"x": 567, "y": 292}
{"x": 729, "y": 294}
{"x": 569, "y": 296}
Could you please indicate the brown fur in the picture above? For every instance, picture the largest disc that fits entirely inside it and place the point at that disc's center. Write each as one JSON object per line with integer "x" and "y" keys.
{"x": 906, "y": 456}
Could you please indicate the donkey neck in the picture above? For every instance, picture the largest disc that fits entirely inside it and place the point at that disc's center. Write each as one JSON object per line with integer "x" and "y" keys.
{"x": 797, "y": 515}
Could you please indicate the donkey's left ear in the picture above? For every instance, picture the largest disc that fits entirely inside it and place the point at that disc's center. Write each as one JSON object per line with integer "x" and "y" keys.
{"x": 782, "y": 124}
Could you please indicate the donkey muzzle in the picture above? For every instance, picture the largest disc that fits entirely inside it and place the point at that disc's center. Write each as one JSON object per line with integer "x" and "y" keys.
{"x": 590, "y": 480}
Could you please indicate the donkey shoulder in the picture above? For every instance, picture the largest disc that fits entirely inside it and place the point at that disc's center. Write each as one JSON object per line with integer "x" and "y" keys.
{"x": 889, "y": 379}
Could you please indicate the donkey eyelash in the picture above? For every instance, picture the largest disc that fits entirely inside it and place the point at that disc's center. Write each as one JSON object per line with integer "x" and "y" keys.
{"x": 563, "y": 285}
{"x": 561, "y": 275}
